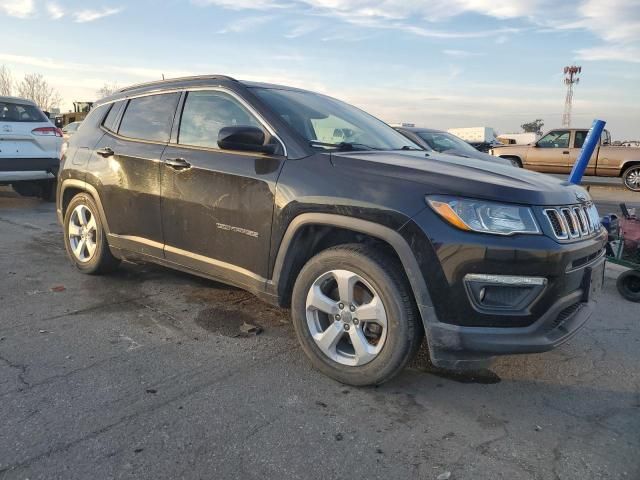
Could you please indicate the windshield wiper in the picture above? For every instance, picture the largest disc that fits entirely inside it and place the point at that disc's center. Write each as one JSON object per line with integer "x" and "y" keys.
{"x": 342, "y": 146}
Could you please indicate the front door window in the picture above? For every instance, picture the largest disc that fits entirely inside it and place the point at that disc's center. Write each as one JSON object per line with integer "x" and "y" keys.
{"x": 555, "y": 139}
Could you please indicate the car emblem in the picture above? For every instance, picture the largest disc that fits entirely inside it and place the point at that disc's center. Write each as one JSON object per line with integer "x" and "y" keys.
{"x": 6, "y": 128}
{"x": 581, "y": 197}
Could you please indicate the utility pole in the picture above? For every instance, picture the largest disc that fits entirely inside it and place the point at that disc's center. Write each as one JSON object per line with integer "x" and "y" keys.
{"x": 570, "y": 79}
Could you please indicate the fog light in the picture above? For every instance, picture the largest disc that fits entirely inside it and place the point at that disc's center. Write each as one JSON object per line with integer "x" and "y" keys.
{"x": 503, "y": 293}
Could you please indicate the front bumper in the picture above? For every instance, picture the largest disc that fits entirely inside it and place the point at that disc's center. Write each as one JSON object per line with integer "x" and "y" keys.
{"x": 456, "y": 347}
{"x": 459, "y": 334}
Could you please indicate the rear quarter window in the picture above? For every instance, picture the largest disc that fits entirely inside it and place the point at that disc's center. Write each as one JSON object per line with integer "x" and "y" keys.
{"x": 19, "y": 112}
{"x": 112, "y": 117}
{"x": 150, "y": 117}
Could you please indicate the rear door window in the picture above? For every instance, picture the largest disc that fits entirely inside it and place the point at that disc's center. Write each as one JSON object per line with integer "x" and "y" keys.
{"x": 150, "y": 118}
{"x": 20, "y": 112}
{"x": 581, "y": 135}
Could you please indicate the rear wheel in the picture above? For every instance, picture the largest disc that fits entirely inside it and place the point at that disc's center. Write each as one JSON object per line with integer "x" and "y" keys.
{"x": 48, "y": 190}
{"x": 354, "y": 315}
{"x": 27, "y": 189}
{"x": 631, "y": 178}
{"x": 629, "y": 285}
{"x": 85, "y": 239}
{"x": 44, "y": 189}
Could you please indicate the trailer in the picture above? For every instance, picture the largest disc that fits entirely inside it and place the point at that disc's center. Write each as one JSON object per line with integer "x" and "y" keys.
{"x": 474, "y": 134}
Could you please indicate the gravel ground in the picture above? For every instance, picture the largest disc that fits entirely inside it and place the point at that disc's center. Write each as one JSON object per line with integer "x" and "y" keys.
{"x": 142, "y": 374}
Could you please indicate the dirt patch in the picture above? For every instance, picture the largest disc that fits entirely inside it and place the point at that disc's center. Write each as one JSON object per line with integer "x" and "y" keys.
{"x": 237, "y": 320}
{"x": 216, "y": 293}
{"x": 483, "y": 377}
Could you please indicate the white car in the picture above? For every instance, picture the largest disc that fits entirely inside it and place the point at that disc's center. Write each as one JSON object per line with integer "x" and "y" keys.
{"x": 29, "y": 148}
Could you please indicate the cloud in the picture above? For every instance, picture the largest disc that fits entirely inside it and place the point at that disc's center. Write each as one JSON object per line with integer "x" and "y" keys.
{"x": 144, "y": 73}
{"x": 462, "y": 53}
{"x": 55, "y": 11}
{"x": 244, "y": 4}
{"x": 88, "y": 15}
{"x": 247, "y": 23}
{"x": 616, "y": 22}
{"x": 17, "y": 8}
{"x": 610, "y": 53}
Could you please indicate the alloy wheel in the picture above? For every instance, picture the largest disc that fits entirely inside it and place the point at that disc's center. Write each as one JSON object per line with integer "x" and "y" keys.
{"x": 82, "y": 232}
{"x": 632, "y": 179}
{"x": 346, "y": 318}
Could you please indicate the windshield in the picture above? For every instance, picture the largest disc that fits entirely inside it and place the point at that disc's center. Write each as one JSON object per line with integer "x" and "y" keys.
{"x": 327, "y": 123}
{"x": 442, "y": 142}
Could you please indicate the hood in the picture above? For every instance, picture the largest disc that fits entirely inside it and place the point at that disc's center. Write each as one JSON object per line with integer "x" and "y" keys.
{"x": 465, "y": 177}
{"x": 477, "y": 155}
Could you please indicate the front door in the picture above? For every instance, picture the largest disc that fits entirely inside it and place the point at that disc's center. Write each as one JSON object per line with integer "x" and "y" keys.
{"x": 217, "y": 205}
{"x": 551, "y": 154}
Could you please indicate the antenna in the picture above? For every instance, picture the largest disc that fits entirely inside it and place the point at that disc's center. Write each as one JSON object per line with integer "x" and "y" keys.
{"x": 570, "y": 79}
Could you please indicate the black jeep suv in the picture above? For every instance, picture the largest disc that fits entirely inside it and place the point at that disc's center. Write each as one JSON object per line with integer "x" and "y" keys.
{"x": 311, "y": 203}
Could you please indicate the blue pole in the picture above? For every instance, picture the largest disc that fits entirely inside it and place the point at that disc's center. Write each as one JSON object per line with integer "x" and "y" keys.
{"x": 589, "y": 145}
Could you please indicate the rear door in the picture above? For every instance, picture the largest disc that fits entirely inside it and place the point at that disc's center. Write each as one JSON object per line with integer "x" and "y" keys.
{"x": 217, "y": 205}
{"x": 579, "y": 136}
{"x": 551, "y": 154}
{"x": 126, "y": 171}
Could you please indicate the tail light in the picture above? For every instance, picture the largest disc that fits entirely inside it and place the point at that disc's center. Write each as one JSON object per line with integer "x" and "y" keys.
{"x": 47, "y": 132}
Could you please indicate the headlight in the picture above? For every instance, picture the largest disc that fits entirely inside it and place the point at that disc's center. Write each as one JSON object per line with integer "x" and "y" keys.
{"x": 486, "y": 217}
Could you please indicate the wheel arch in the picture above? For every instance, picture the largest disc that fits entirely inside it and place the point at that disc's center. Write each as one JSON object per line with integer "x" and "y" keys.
{"x": 69, "y": 189}
{"x": 517, "y": 158}
{"x": 294, "y": 252}
{"x": 626, "y": 165}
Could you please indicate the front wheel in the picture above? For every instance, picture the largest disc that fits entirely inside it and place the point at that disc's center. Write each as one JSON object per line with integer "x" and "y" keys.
{"x": 354, "y": 315}
{"x": 631, "y": 178}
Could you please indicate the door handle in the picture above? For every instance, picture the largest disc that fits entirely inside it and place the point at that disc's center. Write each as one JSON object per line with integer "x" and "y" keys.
{"x": 177, "y": 163}
{"x": 566, "y": 152}
{"x": 105, "y": 152}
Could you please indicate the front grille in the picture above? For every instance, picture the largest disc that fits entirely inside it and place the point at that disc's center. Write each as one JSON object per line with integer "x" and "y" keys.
{"x": 574, "y": 221}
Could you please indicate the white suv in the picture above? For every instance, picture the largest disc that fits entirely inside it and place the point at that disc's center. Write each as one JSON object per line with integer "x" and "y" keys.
{"x": 29, "y": 148}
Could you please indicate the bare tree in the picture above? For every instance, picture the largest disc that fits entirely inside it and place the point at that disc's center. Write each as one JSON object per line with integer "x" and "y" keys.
{"x": 6, "y": 81}
{"x": 107, "y": 89}
{"x": 35, "y": 87}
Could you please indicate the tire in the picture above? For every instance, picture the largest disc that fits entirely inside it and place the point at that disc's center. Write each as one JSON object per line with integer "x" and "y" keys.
{"x": 27, "y": 189}
{"x": 631, "y": 178}
{"x": 48, "y": 190}
{"x": 378, "y": 289}
{"x": 515, "y": 161}
{"x": 82, "y": 223}
{"x": 629, "y": 285}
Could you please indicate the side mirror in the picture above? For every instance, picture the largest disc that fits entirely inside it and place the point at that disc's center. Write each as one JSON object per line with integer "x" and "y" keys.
{"x": 244, "y": 138}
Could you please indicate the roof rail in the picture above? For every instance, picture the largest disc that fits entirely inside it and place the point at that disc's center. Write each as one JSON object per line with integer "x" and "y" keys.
{"x": 177, "y": 79}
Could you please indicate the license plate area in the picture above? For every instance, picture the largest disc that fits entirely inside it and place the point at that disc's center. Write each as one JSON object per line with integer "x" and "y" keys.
{"x": 593, "y": 281}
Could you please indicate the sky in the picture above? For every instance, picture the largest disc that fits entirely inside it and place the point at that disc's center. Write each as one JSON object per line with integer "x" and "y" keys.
{"x": 436, "y": 63}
